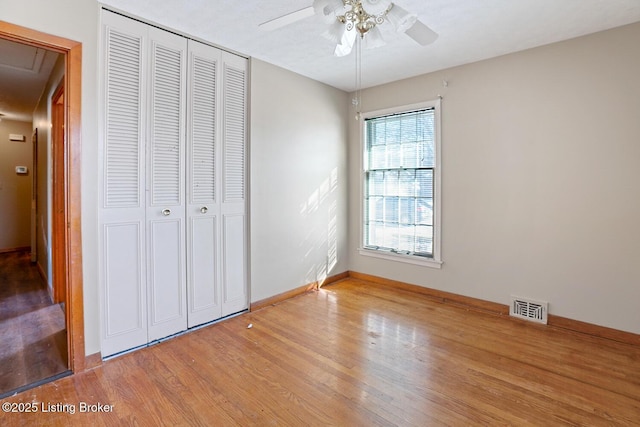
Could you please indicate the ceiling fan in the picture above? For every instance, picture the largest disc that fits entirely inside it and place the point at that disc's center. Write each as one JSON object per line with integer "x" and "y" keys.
{"x": 349, "y": 18}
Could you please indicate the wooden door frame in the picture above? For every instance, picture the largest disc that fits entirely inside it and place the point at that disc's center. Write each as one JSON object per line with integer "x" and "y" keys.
{"x": 58, "y": 194}
{"x": 34, "y": 196}
{"x": 71, "y": 255}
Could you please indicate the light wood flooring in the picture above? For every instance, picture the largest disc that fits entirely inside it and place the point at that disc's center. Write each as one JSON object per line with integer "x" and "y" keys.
{"x": 32, "y": 329}
{"x": 354, "y": 354}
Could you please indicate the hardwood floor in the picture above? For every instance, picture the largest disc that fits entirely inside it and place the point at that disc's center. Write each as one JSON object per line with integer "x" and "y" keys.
{"x": 32, "y": 329}
{"x": 353, "y": 354}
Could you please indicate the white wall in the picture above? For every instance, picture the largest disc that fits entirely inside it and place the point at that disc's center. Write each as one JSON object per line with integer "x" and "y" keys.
{"x": 76, "y": 20}
{"x": 541, "y": 178}
{"x": 298, "y": 181}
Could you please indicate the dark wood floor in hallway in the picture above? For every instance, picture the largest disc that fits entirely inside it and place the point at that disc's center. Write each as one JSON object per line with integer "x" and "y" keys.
{"x": 352, "y": 354}
{"x": 32, "y": 328}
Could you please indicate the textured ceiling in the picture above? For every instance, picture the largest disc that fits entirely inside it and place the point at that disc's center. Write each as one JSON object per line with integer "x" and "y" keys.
{"x": 469, "y": 30}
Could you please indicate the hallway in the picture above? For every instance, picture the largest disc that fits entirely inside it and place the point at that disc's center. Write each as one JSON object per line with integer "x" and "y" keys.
{"x": 33, "y": 343}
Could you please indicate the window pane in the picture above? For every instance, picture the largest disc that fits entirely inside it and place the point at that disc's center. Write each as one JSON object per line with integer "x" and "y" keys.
{"x": 407, "y": 207}
{"x": 407, "y": 183}
{"x": 409, "y": 153}
{"x": 376, "y": 209}
{"x": 424, "y": 239}
{"x": 390, "y": 210}
{"x": 424, "y": 183}
{"x": 424, "y": 211}
{"x": 406, "y": 238}
{"x": 409, "y": 127}
{"x": 427, "y": 134}
{"x": 378, "y": 157}
{"x": 394, "y": 160}
{"x": 391, "y": 183}
{"x": 378, "y": 132}
{"x": 392, "y": 131}
{"x": 376, "y": 183}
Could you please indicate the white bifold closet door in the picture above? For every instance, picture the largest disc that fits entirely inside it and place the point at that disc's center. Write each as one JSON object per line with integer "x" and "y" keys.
{"x": 216, "y": 188}
{"x": 142, "y": 259}
{"x": 166, "y": 269}
{"x": 173, "y": 213}
{"x": 235, "y": 296}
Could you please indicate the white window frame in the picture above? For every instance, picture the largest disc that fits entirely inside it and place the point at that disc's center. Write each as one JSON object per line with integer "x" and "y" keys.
{"x": 436, "y": 261}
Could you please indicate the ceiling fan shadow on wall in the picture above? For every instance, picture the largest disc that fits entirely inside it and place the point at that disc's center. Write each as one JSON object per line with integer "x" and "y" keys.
{"x": 349, "y": 18}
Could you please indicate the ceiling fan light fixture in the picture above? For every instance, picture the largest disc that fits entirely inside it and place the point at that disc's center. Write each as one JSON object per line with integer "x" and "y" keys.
{"x": 401, "y": 19}
{"x": 334, "y": 32}
{"x": 326, "y": 9}
{"x": 348, "y": 19}
{"x": 374, "y": 38}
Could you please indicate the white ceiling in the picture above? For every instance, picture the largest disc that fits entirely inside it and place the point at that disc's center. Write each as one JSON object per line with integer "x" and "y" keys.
{"x": 469, "y": 31}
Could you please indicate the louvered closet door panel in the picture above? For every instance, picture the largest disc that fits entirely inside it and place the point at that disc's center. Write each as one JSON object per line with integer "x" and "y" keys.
{"x": 122, "y": 180}
{"x": 203, "y": 205}
{"x": 165, "y": 185}
{"x": 234, "y": 161}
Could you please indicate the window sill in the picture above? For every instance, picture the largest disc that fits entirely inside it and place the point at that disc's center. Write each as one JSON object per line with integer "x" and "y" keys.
{"x": 409, "y": 259}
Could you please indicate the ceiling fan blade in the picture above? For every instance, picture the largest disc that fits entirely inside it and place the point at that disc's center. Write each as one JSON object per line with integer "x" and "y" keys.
{"x": 287, "y": 19}
{"x": 421, "y": 33}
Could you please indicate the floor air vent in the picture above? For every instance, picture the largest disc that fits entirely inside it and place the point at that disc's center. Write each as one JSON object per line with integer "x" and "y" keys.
{"x": 524, "y": 308}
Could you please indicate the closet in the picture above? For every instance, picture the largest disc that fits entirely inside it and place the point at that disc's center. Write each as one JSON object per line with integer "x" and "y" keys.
{"x": 173, "y": 211}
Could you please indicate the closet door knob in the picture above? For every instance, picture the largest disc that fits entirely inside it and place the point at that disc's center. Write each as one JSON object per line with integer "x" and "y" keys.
{"x": 204, "y": 209}
{"x": 166, "y": 212}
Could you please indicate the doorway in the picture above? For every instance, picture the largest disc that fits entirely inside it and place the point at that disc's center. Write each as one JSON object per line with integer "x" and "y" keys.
{"x": 66, "y": 254}
{"x": 32, "y": 310}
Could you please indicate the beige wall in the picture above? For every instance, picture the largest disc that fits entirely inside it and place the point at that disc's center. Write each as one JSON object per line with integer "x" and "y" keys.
{"x": 298, "y": 181}
{"x": 15, "y": 189}
{"x": 540, "y": 197}
{"x": 541, "y": 178}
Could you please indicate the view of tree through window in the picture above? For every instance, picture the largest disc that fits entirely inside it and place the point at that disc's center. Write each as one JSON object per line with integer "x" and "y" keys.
{"x": 399, "y": 170}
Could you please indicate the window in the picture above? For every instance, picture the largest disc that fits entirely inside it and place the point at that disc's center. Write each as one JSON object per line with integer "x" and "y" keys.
{"x": 401, "y": 184}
